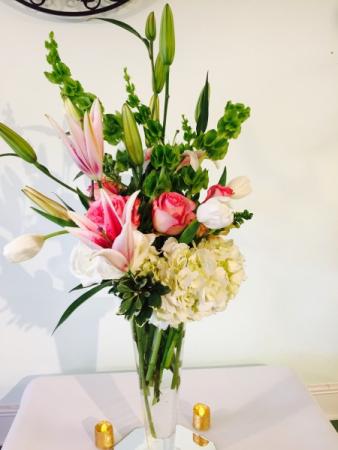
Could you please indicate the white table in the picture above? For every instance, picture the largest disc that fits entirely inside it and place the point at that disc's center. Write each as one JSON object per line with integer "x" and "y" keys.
{"x": 254, "y": 408}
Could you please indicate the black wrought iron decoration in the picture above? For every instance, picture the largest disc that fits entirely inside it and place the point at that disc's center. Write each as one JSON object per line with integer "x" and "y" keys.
{"x": 72, "y": 8}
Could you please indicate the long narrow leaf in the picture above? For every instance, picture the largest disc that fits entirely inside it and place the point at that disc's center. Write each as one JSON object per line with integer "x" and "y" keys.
{"x": 79, "y": 174}
{"x": 189, "y": 233}
{"x": 127, "y": 27}
{"x": 60, "y": 222}
{"x": 80, "y": 286}
{"x": 203, "y": 108}
{"x": 63, "y": 202}
{"x": 79, "y": 301}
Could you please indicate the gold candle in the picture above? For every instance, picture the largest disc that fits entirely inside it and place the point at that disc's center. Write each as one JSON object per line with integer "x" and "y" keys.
{"x": 104, "y": 435}
{"x": 201, "y": 417}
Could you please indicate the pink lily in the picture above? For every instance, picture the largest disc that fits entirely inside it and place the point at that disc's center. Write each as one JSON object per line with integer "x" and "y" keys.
{"x": 85, "y": 142}
{"x": 118, "y": 241}
{"x": 192, "y": 158}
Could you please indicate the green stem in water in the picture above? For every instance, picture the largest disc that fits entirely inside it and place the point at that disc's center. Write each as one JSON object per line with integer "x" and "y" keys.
{"x": 166, "y": 102}
{"x": 56, "y": 233}
{"x": 144, "y": 388}
{"x": 154, "y": 353}
{"x": 176, "y": 378}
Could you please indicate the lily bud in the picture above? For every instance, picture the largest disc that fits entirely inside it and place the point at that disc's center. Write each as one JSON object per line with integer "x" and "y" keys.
{"x": 71, "y": 110}
{"x": 46, "y": 204}
{"x": 150, "y": 30}
{"x": 155, "y": 107}
{"x": 167, "y": 36}
{"x": 132, "y": 137}
{"x": 160, "y": 74}
{"x": 18, "y": 144}
{"x": 23, "y": 247}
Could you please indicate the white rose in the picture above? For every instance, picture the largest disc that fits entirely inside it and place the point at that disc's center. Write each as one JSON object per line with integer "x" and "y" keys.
{"x": 23, "y": 247}
{"x": 90, "y": 268}
{"x": 215, "y": 213}
{"x": 241, "y": 187}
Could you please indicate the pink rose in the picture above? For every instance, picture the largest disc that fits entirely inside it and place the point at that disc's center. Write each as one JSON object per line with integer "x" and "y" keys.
{"x": 217, "y": 190}
{"x": 101, "y": 216}
{"x": 172, "y": 212}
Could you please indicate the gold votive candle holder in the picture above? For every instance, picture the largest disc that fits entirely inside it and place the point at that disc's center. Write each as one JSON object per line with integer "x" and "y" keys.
{"x": 104, "y": 435}
{"x": 201, "y": 417}
{"x": 200, "y": 440}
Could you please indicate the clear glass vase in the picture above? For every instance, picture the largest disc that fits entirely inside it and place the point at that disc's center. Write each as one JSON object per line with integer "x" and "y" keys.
{"x": 158, "y": 360}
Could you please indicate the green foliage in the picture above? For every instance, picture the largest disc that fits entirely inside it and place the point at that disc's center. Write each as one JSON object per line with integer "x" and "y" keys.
{"x": 80, "y": 300}
{"x": 127, "y": 27}
{"x": 152, "y": 128}
{"x": 188, "y": 134}
{"x": 190, "y": 182}
{"x": 189, "y": 233}
{"x": 230, "y": 124}
{"x": 61, "y": 222}
{"x": 214, "y": 144}
{"x": 165, "y": 156}
{"x": 112, "y": 128}
{"x": 156, "y": 183}
{"x": 61, "y": 75}
{"x": 113, "y": 167}
{"x": 140, "y": 295}
{"x": 241, "y": 217}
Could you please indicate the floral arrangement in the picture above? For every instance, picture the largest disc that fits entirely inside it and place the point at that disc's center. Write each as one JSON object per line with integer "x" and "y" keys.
{"x": 152, "y": 231}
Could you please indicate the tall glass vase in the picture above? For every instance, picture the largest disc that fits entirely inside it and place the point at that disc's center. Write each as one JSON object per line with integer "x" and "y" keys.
{"x": 158, "y": 360}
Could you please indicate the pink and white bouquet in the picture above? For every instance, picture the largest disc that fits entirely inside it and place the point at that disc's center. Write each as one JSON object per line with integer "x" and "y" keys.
{"x": 151, "y": 230}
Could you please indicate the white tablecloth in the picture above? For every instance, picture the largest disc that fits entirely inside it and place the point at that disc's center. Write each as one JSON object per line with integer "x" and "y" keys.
{"x": 253, "y": 408}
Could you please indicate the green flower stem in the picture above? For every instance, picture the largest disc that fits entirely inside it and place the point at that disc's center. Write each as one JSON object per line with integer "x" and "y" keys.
{"x": 176, "y": 377}
{"x": 151, "y": 56}
{"x": 154, "y": 353}
{"x": 144, "y": 388}
{"x": 166, "y": 102}
{"x": 56, "y": 233}
{"x": 44, "y": 170}
{"x": 170, "y": 353}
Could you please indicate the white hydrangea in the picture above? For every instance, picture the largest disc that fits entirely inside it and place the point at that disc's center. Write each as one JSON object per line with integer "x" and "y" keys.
{"x": 202, "y": 279}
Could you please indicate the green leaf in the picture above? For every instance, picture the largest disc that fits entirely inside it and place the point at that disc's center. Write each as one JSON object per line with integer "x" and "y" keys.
{"x": 78, "y": 302}
{"x": 202, "y": 108}
{"x": 78, "y": 175}
{"x": 60, "y": 222}
{"x": 223, "y": 179}
{"x": 63, "y": 202}
{"x": 155, "y": 300}
{"x": 127, "y": 27}
{"x": 189, "y": 233}
{"x": 80, "y": 286}
{"x": 143, "y": 316}
{"x": 83, "y": 198}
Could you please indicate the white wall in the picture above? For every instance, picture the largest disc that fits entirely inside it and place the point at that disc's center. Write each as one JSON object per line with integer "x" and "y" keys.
{"x": 279, "y": 57}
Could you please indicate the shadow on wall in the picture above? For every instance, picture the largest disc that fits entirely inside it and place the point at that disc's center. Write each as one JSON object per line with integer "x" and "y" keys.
{"x": 35, "y": 294}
